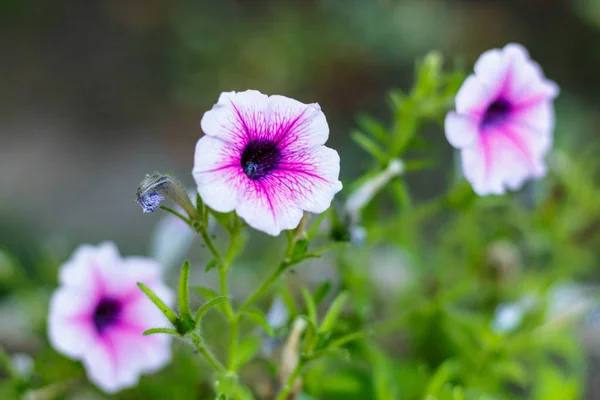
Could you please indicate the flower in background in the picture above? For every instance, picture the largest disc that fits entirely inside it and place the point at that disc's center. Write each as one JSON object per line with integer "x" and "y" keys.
{"x": 263, "y": 156}
{"x": 172, "y": 238}
{"x": 98, "y": 315}
{"x": 503, "y": 121}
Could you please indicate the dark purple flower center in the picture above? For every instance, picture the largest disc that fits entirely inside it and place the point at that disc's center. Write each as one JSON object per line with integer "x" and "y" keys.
{"x": 259, "y": 158}
{"x": 497, "y": 112}
{"x": 107, "y": 312}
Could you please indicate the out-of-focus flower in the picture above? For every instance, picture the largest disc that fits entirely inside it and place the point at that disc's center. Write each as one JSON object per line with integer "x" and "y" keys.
{"x": 276, "y": 317}
{"x": 24, "y": 364}
{"x": 264, "y": 157}
{"x": 508, "y": 316}
{"x": 98, "y": 315}
{"x": 569, "y": 301}
{"x": 153, "y": 189}
{"x": 503, "y": 121}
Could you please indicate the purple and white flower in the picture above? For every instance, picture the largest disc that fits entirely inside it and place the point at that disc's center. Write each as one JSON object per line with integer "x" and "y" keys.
{"x": 98, "y": 315}
{"x": 264, "y": 157}
{"x": 503, "y": 121}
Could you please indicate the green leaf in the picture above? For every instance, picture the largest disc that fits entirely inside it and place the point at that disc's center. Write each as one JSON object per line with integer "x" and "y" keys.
{"x": 243, "y": 392}
{"x": 321, "y": 292}
{"x": 211, "y": 264}
{"x": 311, "y": 308}
{"x": 332, "y": 314}
{"x": 288, "y": 299}
{"x": 374, "y": 127}
{"x": 338, "y": 352}
{"x": 369, "y": 146}
{"x": 208, "y": 295}
{"x": 247, "y": 350}
{"x": 153, "y": 331}
{"x": 260, "y": 319}
{"x": 184, "y": 278}
{"x": 314, "y": 227}
{"x": 238, "y": 246}
{"x": 159, "y": 303}
{"x": 207, "y": 306}
{"x": 205, "y": 292}
{"x": 300, "y": 248}
{"x": 222, "y": 218}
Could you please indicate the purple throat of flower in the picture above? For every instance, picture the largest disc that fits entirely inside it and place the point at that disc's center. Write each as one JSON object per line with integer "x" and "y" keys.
{"x": 106, "y": 314}
{"x": 259, "y": 158}
{"x": 497, "y": 112}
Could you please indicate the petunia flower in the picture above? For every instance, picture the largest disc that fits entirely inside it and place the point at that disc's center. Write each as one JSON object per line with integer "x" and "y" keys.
{"x": 263, "y": 156}
{"x": 98, "y": 315}
{"x": 503, "y": 121}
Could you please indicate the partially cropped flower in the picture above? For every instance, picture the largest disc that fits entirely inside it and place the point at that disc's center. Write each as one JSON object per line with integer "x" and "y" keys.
{"x": 503, "y": 121}
{"x": 98, "y": 315}
{"x": 264, "y": 157}
{"x": 155, "y": 187}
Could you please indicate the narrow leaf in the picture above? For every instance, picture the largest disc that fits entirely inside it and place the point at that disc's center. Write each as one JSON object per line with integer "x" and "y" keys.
{"x": 159, "y": 303}
{"x": 311, "y": 308}
{"x": 184, "y": 278}
{"x": 209, "y": 294}
{"x": 374, "y": 127}
{"x": 160, "y": 330}
{"x": 222, "y": 218}
{"x": 369, "y": 146}
{"x": 343, "y": 353}
{"x": 300, "y": 248}
{"x": 211, "y": 264}
{"x": 260, "y": 319}
{"x": 205, "y": 292}
{"x": 247, "y": 350}
{"x": 314, "y": 227}
{"x": 332, "y": 314}
{"x": 207, "y": 306}
{"x": 321, "y": 292}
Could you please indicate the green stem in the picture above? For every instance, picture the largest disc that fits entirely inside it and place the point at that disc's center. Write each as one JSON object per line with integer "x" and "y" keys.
{"x": 262, "y": 288}
{"x": 209, "y": 243}
{"x": 233, "y": 343}
{"x": 207, "y": 354}
{"x": 289, "y": 384}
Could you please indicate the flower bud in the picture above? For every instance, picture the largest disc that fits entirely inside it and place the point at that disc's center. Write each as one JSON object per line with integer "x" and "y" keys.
{"x": 155, "y": 187}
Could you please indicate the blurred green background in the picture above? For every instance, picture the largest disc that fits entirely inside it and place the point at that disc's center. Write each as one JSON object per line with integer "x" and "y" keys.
{"x": 95, "y": 94}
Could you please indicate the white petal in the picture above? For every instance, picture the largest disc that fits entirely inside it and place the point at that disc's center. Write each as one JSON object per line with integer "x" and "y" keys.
{"x": 235, "y": 116}
{"x": 305, "y": 180}
{"x": 67, "y": 334}
{"x": 491, "y": 69}
{"x": 218, "y": 173}
{"x": 77, "y": 271}
{"x": 267, "y": 208}
{"x": 538, "y": 117}
{"x": 295, "y": 125}
{"x": 461, "y": 130}
{"x": 314, "y": 175}
{"x": 526, "y": 81}
{"x": 473, "y": 97}
{"x": 504, "y": 158}
{"x": 100, "y": 367}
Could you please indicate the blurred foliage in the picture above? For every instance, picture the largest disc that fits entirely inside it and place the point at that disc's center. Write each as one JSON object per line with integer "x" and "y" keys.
{"x": 436, "y": 331}
{"x": 428, "y": 287}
